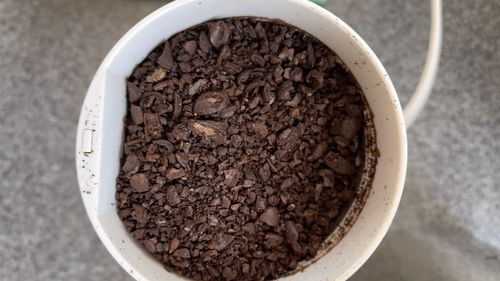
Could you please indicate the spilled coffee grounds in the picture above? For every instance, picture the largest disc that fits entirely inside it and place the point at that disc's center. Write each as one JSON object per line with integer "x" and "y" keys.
{"x": 244, "y": 146}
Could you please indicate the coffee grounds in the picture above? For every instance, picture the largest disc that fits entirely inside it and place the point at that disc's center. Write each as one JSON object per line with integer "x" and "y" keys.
{"x": 244, "y": 146}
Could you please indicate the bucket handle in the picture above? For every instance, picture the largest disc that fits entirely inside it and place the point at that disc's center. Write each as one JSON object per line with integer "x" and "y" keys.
{"x": 424, "y": 87}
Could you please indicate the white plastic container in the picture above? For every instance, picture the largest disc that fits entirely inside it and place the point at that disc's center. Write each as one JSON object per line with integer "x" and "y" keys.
{"x": 100, "y": 130}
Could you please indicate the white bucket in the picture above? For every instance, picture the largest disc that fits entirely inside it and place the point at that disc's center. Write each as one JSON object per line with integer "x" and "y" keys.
{"x": 100, "y": 130}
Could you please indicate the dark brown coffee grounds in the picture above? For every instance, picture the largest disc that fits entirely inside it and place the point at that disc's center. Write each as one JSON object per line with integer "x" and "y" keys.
{"x": 244, "y": 146}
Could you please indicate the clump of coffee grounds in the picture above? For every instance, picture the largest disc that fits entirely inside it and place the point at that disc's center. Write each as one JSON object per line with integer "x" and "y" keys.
{"x": 244, "y": 146}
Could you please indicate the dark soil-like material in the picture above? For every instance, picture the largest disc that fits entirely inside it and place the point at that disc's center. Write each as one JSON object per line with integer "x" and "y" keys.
{"x": 244, "y": 146}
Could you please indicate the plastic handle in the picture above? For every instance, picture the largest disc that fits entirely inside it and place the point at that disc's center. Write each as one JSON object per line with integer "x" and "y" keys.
{"x": 424, "y": 87}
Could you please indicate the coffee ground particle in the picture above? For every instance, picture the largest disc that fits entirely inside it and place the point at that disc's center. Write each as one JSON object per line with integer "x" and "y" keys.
{"x": 243, "y": 146}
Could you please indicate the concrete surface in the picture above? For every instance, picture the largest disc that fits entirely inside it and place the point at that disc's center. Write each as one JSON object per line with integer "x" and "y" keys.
{"x": 448, "y": 225}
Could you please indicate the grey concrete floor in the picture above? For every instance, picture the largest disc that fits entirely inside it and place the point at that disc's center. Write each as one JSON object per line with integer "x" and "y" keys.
{"x": 448, "y": 225}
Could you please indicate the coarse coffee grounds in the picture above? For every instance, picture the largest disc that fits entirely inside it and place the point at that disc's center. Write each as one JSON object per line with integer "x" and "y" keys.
{"x": 244, "y": 147}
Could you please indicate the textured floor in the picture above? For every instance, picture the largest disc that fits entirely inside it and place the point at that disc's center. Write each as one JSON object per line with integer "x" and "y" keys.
{"x": 448, "y": 225}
